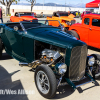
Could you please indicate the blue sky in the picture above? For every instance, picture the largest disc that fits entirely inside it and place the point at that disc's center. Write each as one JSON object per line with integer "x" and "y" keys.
{"x": 61, "y": 1}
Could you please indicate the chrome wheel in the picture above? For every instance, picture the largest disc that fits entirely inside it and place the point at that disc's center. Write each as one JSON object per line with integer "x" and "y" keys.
{"x": 43, "y": 82}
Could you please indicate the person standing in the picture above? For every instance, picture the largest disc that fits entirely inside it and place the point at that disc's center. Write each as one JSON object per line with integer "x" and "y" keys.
{"x": 12, "y": 13}
{"x": 1, "y": 14}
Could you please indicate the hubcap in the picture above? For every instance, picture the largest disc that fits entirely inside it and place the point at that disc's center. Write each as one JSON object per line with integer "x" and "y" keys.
{"x": 42, "y": 82}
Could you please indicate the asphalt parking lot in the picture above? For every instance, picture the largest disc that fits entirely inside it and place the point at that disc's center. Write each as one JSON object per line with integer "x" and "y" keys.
{"x": 16, "y": 78}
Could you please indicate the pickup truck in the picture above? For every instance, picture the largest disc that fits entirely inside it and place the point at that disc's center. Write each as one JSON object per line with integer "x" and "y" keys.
{"x": 88, "y": 31}
{"x": 66, "y": 19}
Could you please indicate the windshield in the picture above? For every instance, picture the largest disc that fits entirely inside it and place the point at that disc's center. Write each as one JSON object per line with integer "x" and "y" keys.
{"x": 88, "y": 12}
{"x": 40, "y": 23}
{"x": 26, "y": 14}
{"x": 63, "y": 14}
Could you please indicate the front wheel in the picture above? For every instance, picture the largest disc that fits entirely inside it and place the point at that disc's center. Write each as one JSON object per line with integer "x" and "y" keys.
{"x": 97, "y": 57}
{"x": 45, "y": 81}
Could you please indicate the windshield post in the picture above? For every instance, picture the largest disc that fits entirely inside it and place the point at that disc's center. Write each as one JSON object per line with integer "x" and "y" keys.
{"x": 23, "y": 27}
{"x": 62, "y": 28}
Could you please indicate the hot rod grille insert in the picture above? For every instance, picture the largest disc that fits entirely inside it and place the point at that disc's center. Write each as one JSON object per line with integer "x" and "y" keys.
{"x": 72, "y": 22}
{"x": 78, "y": 62}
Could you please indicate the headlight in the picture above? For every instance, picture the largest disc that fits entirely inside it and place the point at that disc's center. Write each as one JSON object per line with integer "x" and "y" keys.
{"x": 91, "y": 61}
{"x": 62, "y": 68}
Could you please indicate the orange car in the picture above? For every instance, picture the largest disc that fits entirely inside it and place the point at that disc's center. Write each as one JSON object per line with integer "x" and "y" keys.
{"x": 23, "y": 16}
{"x": 88, "y": 31}
{"x": 64, "y": 18}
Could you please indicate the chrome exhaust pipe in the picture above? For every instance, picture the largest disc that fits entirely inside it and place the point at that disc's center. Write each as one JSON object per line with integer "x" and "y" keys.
{"x": 23, "y": 64}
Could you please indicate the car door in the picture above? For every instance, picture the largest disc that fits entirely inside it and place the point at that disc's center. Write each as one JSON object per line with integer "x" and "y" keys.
{"x": 14, "y": 38}
{"x": 84, "y": 30}
{"x": 94, "y": 33}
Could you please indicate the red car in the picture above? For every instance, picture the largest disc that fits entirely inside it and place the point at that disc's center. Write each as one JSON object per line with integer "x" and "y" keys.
{"x": 84, "y": 13}
{"x": 23, "y": 16}
{"x": 88, "y": 31}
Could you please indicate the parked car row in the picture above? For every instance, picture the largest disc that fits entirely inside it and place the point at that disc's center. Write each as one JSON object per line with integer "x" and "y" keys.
{"x": 66, "y": 19}
{"x": 76, "y": 13}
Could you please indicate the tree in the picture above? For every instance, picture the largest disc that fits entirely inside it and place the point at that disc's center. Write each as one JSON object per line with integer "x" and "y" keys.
{"x": 32, "y": 3}
{"x": 8, "y": 3}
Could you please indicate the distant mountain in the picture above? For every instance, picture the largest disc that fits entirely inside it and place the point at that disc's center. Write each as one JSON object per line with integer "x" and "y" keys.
{"x": 51, "y": 4}
{"x": 80, "y": 5}
{"x": 21, "y": 3}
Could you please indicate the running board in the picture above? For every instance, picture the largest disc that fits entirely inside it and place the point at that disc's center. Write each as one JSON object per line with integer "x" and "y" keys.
{"x": 84, "y": 83}
{"x": 76, "y": 86}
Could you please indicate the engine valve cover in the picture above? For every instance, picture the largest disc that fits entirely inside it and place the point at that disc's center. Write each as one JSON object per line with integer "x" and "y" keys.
{"x": 50, "y": 53}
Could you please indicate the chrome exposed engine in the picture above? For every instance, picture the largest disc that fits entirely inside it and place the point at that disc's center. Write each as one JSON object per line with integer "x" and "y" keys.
{"x": 49, "y": 56}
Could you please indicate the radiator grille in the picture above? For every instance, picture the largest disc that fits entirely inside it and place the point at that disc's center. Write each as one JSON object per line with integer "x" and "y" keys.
{"x": 72, "y": 22}
{"x": 77, "y": 62}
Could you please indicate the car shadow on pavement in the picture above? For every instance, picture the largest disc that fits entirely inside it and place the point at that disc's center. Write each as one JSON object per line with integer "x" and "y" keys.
{"x": 10, "y": 90}
{"x": 5, "y": 56}
{"x": 67, "y": 90}
{"x": 63, "y": 91}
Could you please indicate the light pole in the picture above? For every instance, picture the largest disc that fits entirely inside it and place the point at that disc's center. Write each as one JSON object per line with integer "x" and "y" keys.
{"x": 65, "y": 5}
{"x": 43, "y": 2}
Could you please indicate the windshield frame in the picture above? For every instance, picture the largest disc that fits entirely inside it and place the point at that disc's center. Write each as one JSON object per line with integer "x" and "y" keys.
{"x": 44, "y": 25}
{"x": 63, "y": 14}
{"x": 19, "y": 13}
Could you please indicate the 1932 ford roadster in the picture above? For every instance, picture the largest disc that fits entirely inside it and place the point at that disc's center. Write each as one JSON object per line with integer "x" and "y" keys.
{"x": 56, "y": 56}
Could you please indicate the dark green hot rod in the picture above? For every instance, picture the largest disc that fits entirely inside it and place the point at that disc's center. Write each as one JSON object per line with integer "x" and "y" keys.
{"x": 56, "y": 57}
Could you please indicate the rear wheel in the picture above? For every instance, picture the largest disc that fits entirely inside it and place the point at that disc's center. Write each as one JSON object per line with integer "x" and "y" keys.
{"x": 73, "y": 33}
{"x": 45, "y": 81}
{"x": 0, "y": 48}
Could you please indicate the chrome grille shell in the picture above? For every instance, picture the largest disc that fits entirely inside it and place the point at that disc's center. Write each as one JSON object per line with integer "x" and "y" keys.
{"x": 77, "y": 63}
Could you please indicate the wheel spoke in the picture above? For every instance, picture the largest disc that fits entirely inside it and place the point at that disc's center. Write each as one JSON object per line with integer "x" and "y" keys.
{"x": 40, "y": 79}
{"x": 45, "y": 78}
{"x": 46, "y": 84}
{"x": 43, "y": 82}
